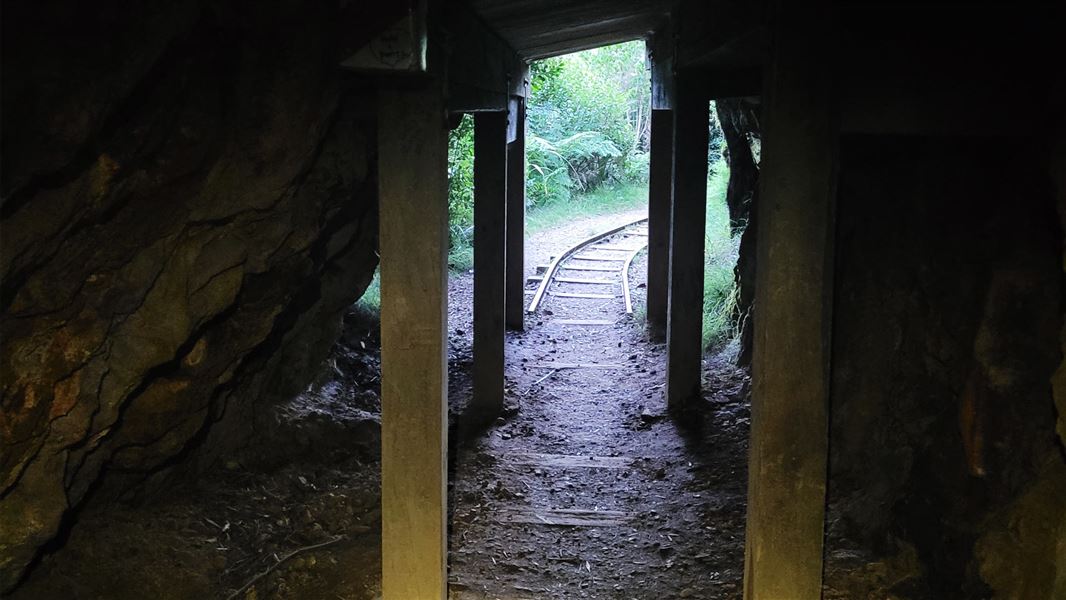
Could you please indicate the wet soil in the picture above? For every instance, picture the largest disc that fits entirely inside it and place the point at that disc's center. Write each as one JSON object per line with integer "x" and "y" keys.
{"x": 590, "y": 490}
{"x": 298, "y": 514}
{"x": 586, "y": 489}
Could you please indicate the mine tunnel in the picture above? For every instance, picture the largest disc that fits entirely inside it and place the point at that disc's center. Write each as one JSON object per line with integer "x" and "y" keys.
{"x": 195, "y": 196}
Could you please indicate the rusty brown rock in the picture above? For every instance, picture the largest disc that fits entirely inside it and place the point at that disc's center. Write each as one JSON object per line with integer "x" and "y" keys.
{"x": 188, "y": 207}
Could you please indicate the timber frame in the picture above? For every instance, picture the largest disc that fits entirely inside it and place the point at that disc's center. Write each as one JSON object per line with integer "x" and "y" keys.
{"x": 472, "y": 69}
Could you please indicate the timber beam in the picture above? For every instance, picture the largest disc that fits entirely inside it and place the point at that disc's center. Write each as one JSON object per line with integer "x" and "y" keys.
{"x": 515, "y": 273}
{"x": 490, "y": 247}
{"x": 793, "y": 295}
{"x": 684, "y": 338}
{"x": 413, "y": 241}
{"x": 483, "y": 72}
{"x": 660, "y": 50}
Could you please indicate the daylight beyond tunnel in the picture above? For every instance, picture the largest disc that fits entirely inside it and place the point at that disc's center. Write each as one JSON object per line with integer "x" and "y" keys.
{"x": 516, "y": 299}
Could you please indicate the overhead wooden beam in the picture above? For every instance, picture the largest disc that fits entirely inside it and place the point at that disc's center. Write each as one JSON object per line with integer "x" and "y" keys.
{"x": 793, "y": 296}
{"x": 516, "y": 216}
{"x": 660, "y": 51}
{"x": 490, "y": 248}
{"x": 510, "y": 16}
{"x": 413, "y": 181}
{"x": 535, "y": 32}
{"x": 581, "y": 42}
{"x": 399, "y": 44}
{"x": 720, "y": 35}
{"x": 541, "y": 29}
{"x": 484, "y": 72}
{"x": 684, "y": 338}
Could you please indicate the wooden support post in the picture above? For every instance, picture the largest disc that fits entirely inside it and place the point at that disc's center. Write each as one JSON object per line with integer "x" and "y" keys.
{"x": 685, "y": 321}
{"x": 660, "y": 205}
{"x": 516, "y": 219}
{"x": 413, "y": 180}
{"x": 490, "y": 208}
{"x": 793, "y": 293}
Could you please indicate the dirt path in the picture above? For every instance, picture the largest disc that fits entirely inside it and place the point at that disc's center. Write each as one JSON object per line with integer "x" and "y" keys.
{"x": 587, "y": 491}
{"x": 590, "y": 490}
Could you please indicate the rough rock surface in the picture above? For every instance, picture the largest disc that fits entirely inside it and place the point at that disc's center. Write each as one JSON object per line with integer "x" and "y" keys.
{"x": 1057, "y": 168}
{"x": 946, "y": 337}
{"x": 740, "y": 125}
{"x": 189, "y": 205}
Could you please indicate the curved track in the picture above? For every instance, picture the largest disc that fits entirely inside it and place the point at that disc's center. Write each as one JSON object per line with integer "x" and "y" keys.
{"x": 589, "y": 263}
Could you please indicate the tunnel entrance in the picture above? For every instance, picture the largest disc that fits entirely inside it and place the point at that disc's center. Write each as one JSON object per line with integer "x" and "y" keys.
{"x": 194, "y": 196}
{"x": 586, "y": 486}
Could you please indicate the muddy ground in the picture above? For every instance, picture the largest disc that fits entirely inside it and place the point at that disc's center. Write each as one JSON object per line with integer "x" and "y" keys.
{"x": 587, "y": 489}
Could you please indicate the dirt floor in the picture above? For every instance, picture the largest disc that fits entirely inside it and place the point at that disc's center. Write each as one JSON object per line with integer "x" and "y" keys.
{"x": 586, "y": 489}
{"x": 589, "y": 490}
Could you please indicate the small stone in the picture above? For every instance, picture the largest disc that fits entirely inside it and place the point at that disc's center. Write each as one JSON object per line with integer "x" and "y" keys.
{"x": 687, "y": 593}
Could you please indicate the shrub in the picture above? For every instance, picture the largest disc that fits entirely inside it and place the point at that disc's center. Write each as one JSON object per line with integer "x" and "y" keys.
{"x": 720, "y": 256}
{"x": 588, "y": 127}
{"x": 461, "y": 194}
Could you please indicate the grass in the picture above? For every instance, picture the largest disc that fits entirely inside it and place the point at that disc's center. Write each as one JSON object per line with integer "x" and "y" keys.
{"x": 720, "y": 250}
{"x": 720, "y": 256}
{"x": 604, "y": 200}
{"x": 461, "y": 256}
{"x": 370, "y": 301}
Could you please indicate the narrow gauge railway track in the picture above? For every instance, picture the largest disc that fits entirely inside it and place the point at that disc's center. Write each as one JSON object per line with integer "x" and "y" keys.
{"x": 591, "y": 263}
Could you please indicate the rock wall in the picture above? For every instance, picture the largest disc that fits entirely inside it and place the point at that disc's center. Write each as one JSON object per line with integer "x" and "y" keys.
{"x": 740, "y": 126}
{"x": 189, "y": 205}
{"x": 948, "y": 310}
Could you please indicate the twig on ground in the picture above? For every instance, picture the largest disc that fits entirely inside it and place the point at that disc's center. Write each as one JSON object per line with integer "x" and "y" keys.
{"x": 281, "y": 561}
{"x": 538, "y": 382}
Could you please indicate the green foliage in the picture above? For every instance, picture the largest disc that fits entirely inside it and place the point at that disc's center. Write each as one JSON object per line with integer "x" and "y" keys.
{"x": 547, "y": 173}
{"x": 716, "y": 145}
{"x": 720, "y": 255}
{"x": 588, "y": 117}
{"x": 637, "y": 166}
{"x": 577, "y": 163}
{"x": 604, "y": 200}
{"x": 461, "y": 194}
{"x": 370, "y": 302}
{"x": 588, "y": 121}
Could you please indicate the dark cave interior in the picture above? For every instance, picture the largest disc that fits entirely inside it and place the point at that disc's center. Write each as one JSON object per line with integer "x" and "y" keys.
{"x": 191, "y": 208}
